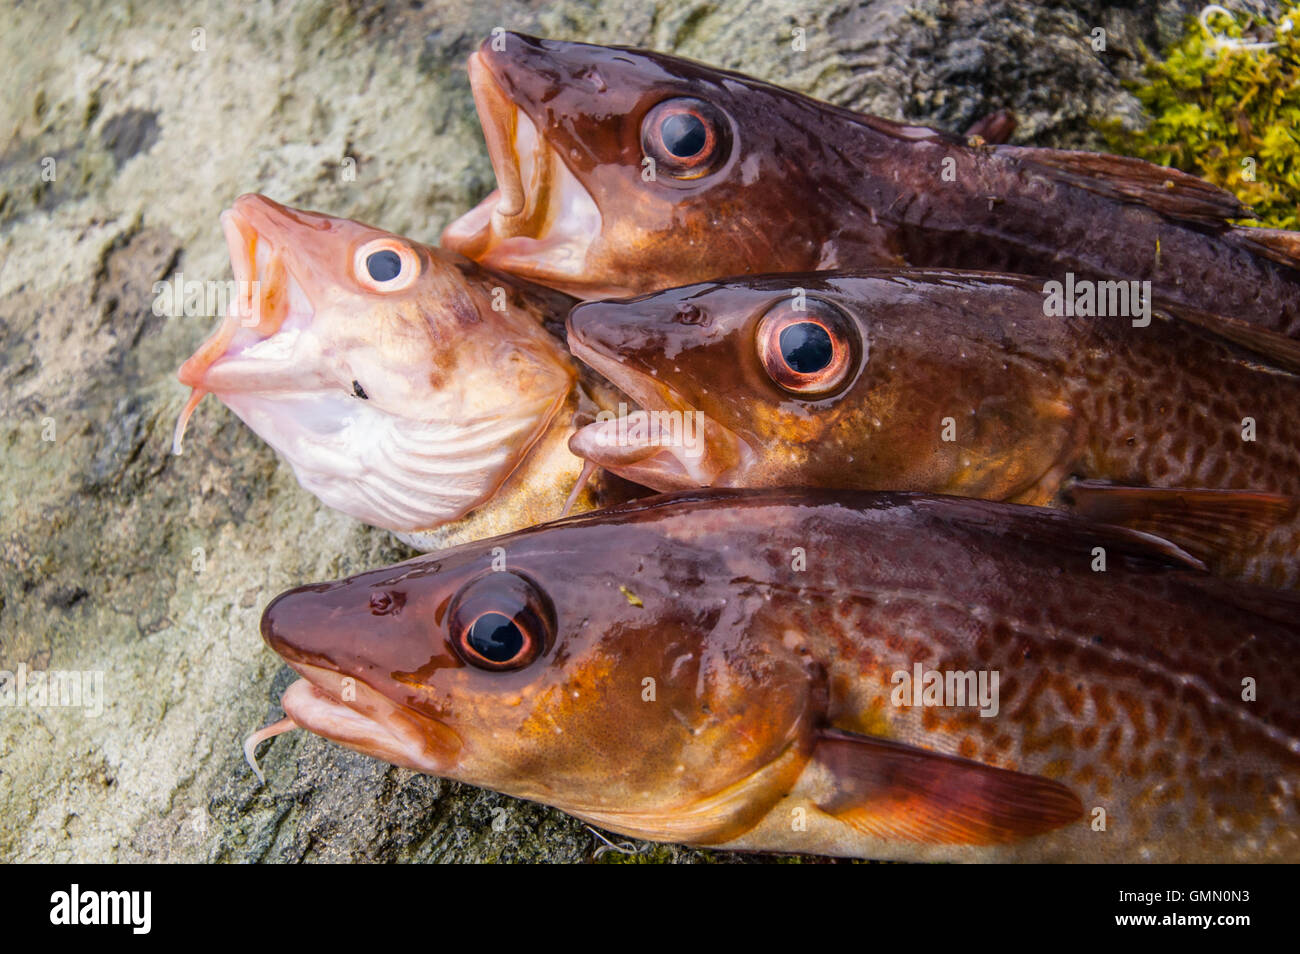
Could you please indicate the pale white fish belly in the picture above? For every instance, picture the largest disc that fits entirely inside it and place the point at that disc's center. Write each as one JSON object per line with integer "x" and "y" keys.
{"x": 390, "y": 472}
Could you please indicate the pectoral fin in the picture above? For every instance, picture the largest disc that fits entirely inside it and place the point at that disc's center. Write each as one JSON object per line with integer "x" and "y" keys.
{"x": 1174, "y": 194}
{"x": 1205, "y": 523}
{"x": 1278, "y": 350}
{"x": 894, "y": 791}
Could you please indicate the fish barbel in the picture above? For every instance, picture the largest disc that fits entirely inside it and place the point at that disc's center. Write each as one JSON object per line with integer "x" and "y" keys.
{"x": 958, "y": 383}
{"x": 735, "y": 669}
{"x": 404, "y": 384}
{"x": 621, "y": 171}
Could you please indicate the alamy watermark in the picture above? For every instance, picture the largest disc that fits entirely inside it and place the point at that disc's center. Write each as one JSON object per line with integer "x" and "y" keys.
{"x": 682, "y": 429}
{"x": 952, "y": 688}
{"x": 177, "y": 297}
{"x": 53, "y": 689}
{"x": 1085, "y": 298}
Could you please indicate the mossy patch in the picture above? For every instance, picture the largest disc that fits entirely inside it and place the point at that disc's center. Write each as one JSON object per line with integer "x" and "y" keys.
{"x": 1228, "y": 112}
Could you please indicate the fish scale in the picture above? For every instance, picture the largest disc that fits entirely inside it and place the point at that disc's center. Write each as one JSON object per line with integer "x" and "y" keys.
{"x": 968, "y": 383}
{"x": 789, "y": 184}
{"x": 694, "y": 683}
{"x": 1179, "y": 424}
{"x": 1095, "y": 713}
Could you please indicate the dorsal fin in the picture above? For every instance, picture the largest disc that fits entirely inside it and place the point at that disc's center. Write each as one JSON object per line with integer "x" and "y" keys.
{"x": 1174, "y": 194}
{"x": 1279, "y": 350}
{"x": 1279, "y": 245}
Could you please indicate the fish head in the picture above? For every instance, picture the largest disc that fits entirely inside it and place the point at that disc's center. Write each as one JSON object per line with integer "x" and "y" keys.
{"x": 375, "y": 365}
{"x": 826, "y": 380}
{"x": 596, "y": 664}
{"x": 621, "y": 171}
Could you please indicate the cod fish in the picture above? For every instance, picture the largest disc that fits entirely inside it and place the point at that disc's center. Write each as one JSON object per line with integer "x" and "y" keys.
{"x": 839, "y": 673}
{"x": 404, "y": 384}
{"x": 621, "y": 171}
{"x": 956, "y": 383}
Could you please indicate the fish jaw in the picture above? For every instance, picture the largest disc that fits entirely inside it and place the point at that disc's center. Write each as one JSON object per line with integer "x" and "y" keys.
{"x": 321, "y": 637}
{"x": 371, "y": 724}
{"x": 268, "y": 299}
{"x": 698, "y": 450}
{"x": 433, "y": 432}
{"x": 540, "y": 222}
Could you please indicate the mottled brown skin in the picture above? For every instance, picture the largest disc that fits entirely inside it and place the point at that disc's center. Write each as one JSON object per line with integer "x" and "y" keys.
{"x": 809, "y": 186}
{"x": 1122, "y": 688}
{"x": 1035, "y": 401}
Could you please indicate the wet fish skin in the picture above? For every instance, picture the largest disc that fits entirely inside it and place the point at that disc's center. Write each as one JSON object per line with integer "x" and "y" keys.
{"x": 808, "y": 186}
{"x": 1120, "y": 691}
{"x": 961, "y": 385}
{"x": 405, "y": 407}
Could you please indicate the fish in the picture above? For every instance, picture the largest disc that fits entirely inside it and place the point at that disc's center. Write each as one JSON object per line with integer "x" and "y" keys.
{"x": 405, "y": 385}
{"x": 963, "y": 383}
{"x": 622, "y": 171}
{"x": 733, "y": 669}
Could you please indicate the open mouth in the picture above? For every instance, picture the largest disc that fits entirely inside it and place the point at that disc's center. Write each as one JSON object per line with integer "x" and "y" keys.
{"x": 665, "y": 444}
{"x": 370, "y": 723}
{"x": 540, "y": 221}
{"x": 247, "y": 351}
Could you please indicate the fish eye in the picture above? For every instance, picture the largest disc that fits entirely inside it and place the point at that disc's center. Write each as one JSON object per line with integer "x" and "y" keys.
{"x": 386, "y": 265}
{"x": 500, "y": 622}
{"x": 686, "y": 137}
{"x": 808, "y": 350}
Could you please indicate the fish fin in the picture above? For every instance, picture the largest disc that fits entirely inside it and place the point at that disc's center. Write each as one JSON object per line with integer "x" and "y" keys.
{"x": 1205, "y": 523}
{"x": 1281, "y": 351}
{"x": 1044, "y": 526}
{"x": 900, "y": 792}
{"x": 1174, "y": 194}
{"x": 1280, "y": 245}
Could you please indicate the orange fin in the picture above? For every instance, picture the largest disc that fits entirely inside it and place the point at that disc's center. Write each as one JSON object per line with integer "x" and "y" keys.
{"x": 893, "y": 791}
{"x": 1205, "y": 523}
{"x": 1173, "y": 194}
{"x": 1279, "y": 350}
{"x": 1280, "y": 245}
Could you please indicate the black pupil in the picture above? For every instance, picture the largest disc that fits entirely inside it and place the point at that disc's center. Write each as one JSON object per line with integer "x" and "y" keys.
{"x": 684, "y": 134}
{"x": 495, "y": 637}
{"x": 384, "y": 266}
{"x": 806, "y": 347}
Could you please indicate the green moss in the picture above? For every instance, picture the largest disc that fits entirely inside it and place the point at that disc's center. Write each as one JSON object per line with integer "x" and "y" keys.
{"x": 1231, "y": 116}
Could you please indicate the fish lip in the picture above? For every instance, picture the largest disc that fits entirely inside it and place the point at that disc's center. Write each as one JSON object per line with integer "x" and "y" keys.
{"x": 498, "y": 115}
{"x": 540, "y": 221}
{"x": 249, "y": 228}
{"x": 398, "y": 735}
{"x": 725, "y": 453}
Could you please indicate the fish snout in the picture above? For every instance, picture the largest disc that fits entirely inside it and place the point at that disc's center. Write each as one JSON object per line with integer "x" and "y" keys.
{"x": 607, "y": 327}
{"x": 290, "y": 624}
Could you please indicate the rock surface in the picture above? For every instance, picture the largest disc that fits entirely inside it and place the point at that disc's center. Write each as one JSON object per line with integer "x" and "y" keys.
{"x": 118, "y": 558}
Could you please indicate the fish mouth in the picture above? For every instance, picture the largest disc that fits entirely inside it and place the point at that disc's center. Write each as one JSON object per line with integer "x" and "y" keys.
{"x": 369, "y": 723}
{"x": 540, "y": 221}
{"x": 267, "y": 309}
{"x": 665, "y": 444}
